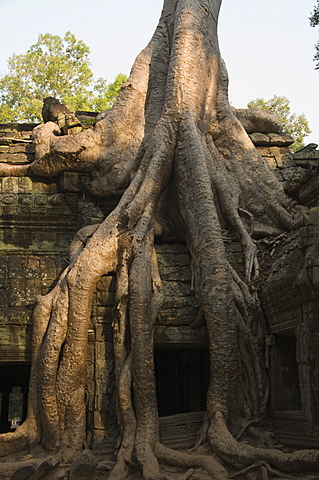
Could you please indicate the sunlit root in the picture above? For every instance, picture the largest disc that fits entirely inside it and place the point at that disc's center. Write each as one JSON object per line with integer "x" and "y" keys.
{"x": 265, "y": 469}
{"x": 242, "y": 455}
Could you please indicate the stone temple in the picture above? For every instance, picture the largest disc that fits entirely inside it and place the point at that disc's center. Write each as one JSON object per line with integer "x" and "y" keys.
{"x": 38, "y": 219}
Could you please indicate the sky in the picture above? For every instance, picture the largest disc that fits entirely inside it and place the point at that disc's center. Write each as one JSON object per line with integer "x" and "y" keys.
{"x": 268, "y": 45}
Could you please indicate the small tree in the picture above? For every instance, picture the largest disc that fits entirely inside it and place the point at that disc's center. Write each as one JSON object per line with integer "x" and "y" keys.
{"x": 107, "y": 93}
{"x": 56, "y": 67}
{"x": 314, "y": 21}
{"x": 296, "y": 125}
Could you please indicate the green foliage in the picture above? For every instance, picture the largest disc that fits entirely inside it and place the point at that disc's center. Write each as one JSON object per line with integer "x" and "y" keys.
{"x": 314, "y": 21}
{"x": 56, "y": 67}
{"x": 107, "y": 93}
{"x": 296, "y": 125}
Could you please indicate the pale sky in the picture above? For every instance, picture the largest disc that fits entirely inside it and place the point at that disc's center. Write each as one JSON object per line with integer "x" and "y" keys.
{"x": 268, "y": 45}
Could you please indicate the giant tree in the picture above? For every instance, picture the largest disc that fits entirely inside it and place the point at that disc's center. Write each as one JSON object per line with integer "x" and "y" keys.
{"x": 183, "y": 163}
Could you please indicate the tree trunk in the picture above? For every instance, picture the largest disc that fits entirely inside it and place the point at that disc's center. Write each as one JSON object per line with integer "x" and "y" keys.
{"x": 183, "y": 160}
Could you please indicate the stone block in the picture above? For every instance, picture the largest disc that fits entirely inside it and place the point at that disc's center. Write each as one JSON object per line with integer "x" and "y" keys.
{"x": 17, "y": 158}
{"x": 47, "y": 271}
{"x": 26, "y": 200}
{"x": 166, "y": 259}
{"x": 23, "y": 472}
{"x": 176, "y": 289}
{"x": 90, "y": 420}
{"x": 9, "y": 199}
{"x": 104, "y": 284}
{"x": 184, "y": 315}
{"x": 315, "y": 275}
{"x": 32, "y": 289}
{"x": 90, "y": 403}
{"x": 183, "y": 274}
{"x": 25, "y": 184}
{"x": 105, "y": 465}
{"x": 18, "y": 148}
{"x": 183, "y": 259}
{"x": 43, "y": 468}
{"x": 59, "y": 474}
{"x": 32, "y": 268}
{"x": 100, "y": 332}
{"x": 293, "y": 174}
{"x": 56, "y": 200}
{"x": 10, "y": 185}
{"x": 17, "y": 293}
{"x": 185, "y": 335}
{"x": 4, "y": 297}
{"x": 3, "y": 271}
{"x": 271, "y": 162}
{"x": 71, "y": 181}
{"x": 99, "y": 436}
{"x": 173, "y": 248}
{"x": 41, "y": 200}
{"x": 83, "y": 467}
{"x": 102, "y": 297}
{"x": 173, "y": 301}
{"x": 16, "y": 267}
{"x": 104, "y": 314}
{"x": 312, "y": 217}
{"x": 99, "y": 424}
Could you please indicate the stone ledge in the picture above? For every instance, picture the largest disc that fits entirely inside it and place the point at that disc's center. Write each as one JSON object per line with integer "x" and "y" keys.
{"x": 271, "y": 139}
{"x": 182, "y": 335}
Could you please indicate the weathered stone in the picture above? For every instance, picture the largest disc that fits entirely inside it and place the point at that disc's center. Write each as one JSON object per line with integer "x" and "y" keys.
{"x": 71, "y": 182}
{"x": 19, "y": 158}
{"x": 312, "y": 217}
{"x": 309, "y": 191}
{"x": 54, "y": 111}
{"x": 280, "y": 139}
{"x": 105, "y": 465}
{"x": 84, "y": 466}
{"x": 42, "y": 469}
{"x": 10, "y": 185}
{"x": 254, "y": 120}
{"x": 186, "y": 335}
{"x": 17, "y": 127}
{"x": 18, "y": 148}
{"x": 25, "y": 184}
{"x": 59, "y": 474}
{"x": 23, "y": 472}
{"x": 271, "y": 139}
{"x": 307, "y": 155}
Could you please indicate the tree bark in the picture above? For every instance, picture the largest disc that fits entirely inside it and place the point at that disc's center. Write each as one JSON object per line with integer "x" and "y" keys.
{"x": 175, "y": 150}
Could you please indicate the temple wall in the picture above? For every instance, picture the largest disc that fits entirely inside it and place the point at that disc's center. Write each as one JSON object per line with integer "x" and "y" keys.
{"x": 38, "y": 219}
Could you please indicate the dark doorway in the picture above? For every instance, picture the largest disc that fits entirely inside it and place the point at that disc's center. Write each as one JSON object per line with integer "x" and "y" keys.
{"x": 14, "y": 385}
{"x": 284, "y": 374}
{"x": 182, "y": 379}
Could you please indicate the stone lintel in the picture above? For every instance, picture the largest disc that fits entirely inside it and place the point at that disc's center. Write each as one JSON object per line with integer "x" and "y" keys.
{"x": 180, "y": 336}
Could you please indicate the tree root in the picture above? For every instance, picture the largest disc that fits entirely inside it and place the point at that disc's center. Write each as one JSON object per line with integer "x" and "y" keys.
{"x": 265, "y": 468}
{"x": 208, "y": 463}
{"x": 171, "y": 131}
{"x": 239, "y": 455}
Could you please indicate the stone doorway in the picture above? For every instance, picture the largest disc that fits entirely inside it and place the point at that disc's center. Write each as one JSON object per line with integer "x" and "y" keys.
{"x": 14, "y": 385}
{"x": 182, "y": 379}
{"x": 284, "y": 374}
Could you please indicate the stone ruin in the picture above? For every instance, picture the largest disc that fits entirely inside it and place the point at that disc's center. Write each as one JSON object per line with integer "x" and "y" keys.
{"x": 38, "y": 220}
